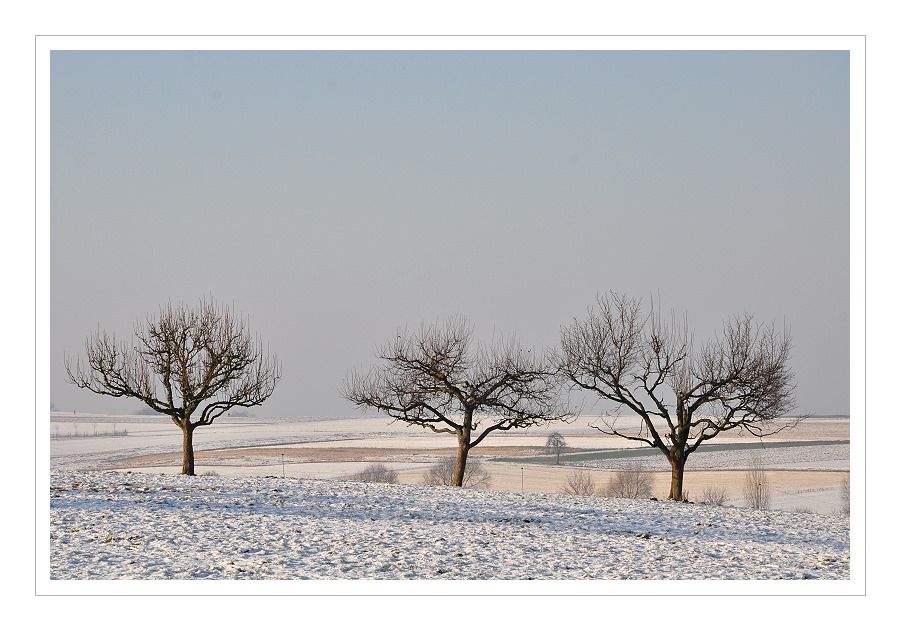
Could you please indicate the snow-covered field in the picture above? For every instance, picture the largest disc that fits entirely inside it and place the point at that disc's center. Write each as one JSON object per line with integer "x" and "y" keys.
{"x": 115, "y": 525}
{"x": 119, "y": 510}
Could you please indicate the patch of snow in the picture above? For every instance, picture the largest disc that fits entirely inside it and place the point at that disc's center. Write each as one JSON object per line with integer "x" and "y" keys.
{"x": 137, "y": 526}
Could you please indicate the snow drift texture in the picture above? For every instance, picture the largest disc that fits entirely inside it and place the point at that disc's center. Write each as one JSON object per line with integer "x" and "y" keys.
{"x": 118, "y": 525}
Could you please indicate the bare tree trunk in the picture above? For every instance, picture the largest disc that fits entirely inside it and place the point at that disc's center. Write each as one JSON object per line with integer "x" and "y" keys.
{"x": 675, "y": 489}
{"x": 464, "y": 437}
{"x": 461, "y": 456}
{"x": 187, "y": 465}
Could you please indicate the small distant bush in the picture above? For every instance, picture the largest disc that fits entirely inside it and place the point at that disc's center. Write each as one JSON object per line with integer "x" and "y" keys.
{"x": 376, "y": 473}
{"x": 714, "y": 495}
{"x": 845, "y": 495}
{"x": 209, "y": 473}
{"x": 441, "y": 474}
{"x": 580, "y": 482}
{"x": 632, "y": 482}
{"x": 757, "y": 492}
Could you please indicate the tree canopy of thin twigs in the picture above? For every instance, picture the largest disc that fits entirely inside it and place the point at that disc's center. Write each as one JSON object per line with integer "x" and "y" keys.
{"x": 684, "y": 394}
{"x": 438, "y": 378}
{"x": 191, "y": 364}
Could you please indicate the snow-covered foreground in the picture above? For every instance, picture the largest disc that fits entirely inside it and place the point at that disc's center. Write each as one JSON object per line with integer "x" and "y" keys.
{"x": 118, "y": 525}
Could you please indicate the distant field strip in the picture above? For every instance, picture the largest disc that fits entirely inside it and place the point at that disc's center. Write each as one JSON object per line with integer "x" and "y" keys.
{"x": 595, "y": 455}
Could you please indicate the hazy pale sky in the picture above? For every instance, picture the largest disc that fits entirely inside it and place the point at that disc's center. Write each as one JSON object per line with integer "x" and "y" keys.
{"x": 334, "y": 196}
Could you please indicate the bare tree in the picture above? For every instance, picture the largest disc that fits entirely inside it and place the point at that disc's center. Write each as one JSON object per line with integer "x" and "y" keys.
{"x": 556, "y": 443}
{"x": 435, "y": 379}
{"x": 757, "y": 491}
{"x": 631, "y": 482}
{"x": 580, "y": 482}
{"x": 682, "y": 395}
{"x": 376, "y": 473}
{"x": 183, "y": 361}
{"x": 441, "y": 474}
